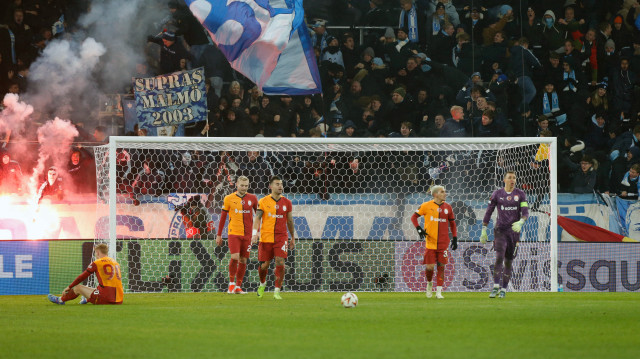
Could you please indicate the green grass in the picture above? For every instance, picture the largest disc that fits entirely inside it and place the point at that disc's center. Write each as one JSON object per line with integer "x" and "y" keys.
{"x": 314, "y": 325}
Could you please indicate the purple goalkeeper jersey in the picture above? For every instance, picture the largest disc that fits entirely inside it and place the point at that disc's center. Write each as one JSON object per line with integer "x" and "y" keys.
{"x": 511, "y": 207}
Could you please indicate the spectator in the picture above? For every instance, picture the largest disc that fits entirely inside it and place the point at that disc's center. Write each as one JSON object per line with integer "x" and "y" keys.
{"x": 575, "y": 27}
{"x": 413, "y": 20}
{"x": 553, "y": 33}
{"x": 432, "y": 128}
{"x": 486, "y": 127}
{"x": 171, "y": 52}
{"x": 52, "y": 186}
{"x": 467, "y": 56}
{"x": 522, "y": 63}
{"x": 235, "y": 124}
{"x": 623, "y": 82}
{"x": 148, "y": 181}
{"x": 597, "y": 137}
{"x": 544, "y": 125}
{"x": 630, "y": 186}
{"x": 450, "y": 12}
{"x": 584, "y": 180}
{"x": 331, "y": 52}
{"x": 82, "y": 172}
{"x": 442, "y": 45}
{"x": 400, "y": 111}
{"x": 400, "y": 50}
{"x": 283, "y": 121}
{"x": 620, "y": 147}
{"x": 620, "y": 35}
{"x": 474, "y": 23}
{"x": 257, "y": 170}
{"x": 21, "y": 32}
{"x": 319, "y": 35}
{"x": 590, "y": 54}
{"x": 495, "y": 55}
{"x": 10, "y": 174}
{"x": 456, "y": 126}
{"x": 100, "y": 135}
{"x": 551, "y": 104}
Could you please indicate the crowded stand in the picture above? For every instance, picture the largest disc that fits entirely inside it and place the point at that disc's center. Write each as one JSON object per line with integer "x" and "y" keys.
{"x": 389, "y": 68}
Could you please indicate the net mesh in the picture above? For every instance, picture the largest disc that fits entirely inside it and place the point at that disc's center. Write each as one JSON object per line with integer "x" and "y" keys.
{"x": 352, "y": 205}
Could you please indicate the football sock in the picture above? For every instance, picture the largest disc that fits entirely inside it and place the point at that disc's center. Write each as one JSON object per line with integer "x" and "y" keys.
{"x": 429, "y": 275}
{"x": 440, "y": 279}
{"x": 69, "y": 296}
{"x": 233, "y": 267}
{"x": 439, "y": 289}
{"x": 263, "y": 274}
{"x": 497, "y": 270}
{"x": 279, "y": 275}
{"x": 242, "y": 268}
{"x": 506, "y": 275}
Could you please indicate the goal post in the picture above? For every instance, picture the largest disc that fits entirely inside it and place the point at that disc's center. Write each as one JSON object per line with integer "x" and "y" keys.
{"x": 352, "y": 202}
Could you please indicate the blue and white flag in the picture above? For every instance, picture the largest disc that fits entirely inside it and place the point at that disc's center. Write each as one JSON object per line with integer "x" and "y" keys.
{"x": 265, "y": 40}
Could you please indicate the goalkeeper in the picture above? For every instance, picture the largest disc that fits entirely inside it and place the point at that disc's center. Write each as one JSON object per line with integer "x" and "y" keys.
{"x": 438, "y": 217}
{"x": 513, "y": 211}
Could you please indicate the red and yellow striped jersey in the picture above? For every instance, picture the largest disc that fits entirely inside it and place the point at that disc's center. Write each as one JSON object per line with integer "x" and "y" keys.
{"x": 107, "y": 271}
{"x": 437, "y": 219}
{"x": 274, "y": 219}
{"x": 240, "y": 211}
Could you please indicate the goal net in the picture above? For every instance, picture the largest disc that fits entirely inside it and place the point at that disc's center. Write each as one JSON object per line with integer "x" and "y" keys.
{"x": 352, "y": 203}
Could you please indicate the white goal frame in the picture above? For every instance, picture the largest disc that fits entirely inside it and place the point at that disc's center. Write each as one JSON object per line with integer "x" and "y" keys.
{"x": 188, "y": 142}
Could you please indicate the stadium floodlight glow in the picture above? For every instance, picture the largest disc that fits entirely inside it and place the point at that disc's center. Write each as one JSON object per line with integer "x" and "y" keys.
{"x": 352, "y": 202}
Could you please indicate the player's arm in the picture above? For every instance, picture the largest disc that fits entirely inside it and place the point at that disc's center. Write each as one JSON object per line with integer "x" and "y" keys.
{"x": 81, "y": 278}
{"x": 414, "y": 221}
{"x": 256, "y": 226}
{"x": 454, "y": 230}
{"x": 223, "y": 220}
{"x": 290, "y": 226}
{"x": 487, "y": 217}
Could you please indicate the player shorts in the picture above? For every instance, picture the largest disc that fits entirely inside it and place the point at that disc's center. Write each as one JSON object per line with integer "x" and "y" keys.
{"x": 431, "y": 256}
{"x": 506, "y": 243}
{"x": 266, "y": 251}
{"x": 103, "y": 295}
{"x": 240, "y": 244}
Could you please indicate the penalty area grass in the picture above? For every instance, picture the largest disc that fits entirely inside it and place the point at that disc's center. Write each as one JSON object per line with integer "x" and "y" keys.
{"x": 315, "y": 325}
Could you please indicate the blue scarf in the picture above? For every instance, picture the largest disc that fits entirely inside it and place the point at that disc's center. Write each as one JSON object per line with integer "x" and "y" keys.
{"x": 553, "y": 107}
{"x": 413, "y": 23}
{"x": 570, "y": 75}
{"x": 13, "y": 46}
{"x": 436, "y": 25}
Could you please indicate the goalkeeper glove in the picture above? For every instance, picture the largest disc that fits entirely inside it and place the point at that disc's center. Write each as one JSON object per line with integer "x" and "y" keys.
{"x": 454, "y": 243}
{"x": 484, "y": 237}
{"x": 517, "y": 226}
{"x": 421, "y": 232}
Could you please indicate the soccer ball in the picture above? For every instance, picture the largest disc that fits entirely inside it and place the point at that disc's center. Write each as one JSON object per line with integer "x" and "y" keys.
{"x": 349, "y": 300}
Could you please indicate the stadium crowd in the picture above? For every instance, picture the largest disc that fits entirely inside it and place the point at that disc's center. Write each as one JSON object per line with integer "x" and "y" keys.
{"x": 425, "y": 68}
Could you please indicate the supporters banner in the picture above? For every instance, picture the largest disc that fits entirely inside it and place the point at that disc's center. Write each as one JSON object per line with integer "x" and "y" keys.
{"x": 629, "y": 212}
{"x": 265, "y": 40}
{"x": 171, "y": 99}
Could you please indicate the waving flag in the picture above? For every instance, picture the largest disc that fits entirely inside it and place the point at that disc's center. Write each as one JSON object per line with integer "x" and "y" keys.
{"x": 588, "y": 233}
{"x": 265, "y": 40}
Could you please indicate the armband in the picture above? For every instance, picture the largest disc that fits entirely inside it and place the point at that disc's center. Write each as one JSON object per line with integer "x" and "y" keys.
{"x": 254, "y": 232}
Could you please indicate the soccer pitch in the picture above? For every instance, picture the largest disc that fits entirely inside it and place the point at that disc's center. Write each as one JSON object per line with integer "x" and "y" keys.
{"x": 315, "y": 325}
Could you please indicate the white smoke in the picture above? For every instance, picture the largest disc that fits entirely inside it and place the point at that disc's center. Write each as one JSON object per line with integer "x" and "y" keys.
{"x": 55, "y": 139}
{"x": 15, "y": 114}
{"x": 72, "y": 73}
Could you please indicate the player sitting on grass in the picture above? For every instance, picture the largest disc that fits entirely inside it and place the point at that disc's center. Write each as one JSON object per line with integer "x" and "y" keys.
{"x": 273, "y": 218}
{"x": 239, "y": 206}
{"x": 513, "y": 211}
{"x": 438, "y": 217}
{"x": 107, "y": 271}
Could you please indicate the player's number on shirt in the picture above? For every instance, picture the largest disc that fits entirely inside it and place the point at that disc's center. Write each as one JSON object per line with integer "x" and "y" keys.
{"x": 444, "y": 254}
{"x": 248, "y": 248}
{"x": 111, "y": 272}
{"x": 284, "y": 247}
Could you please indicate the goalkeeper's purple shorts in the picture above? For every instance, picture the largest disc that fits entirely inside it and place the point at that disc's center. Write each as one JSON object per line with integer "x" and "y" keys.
{"x": 506, "y": 243}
